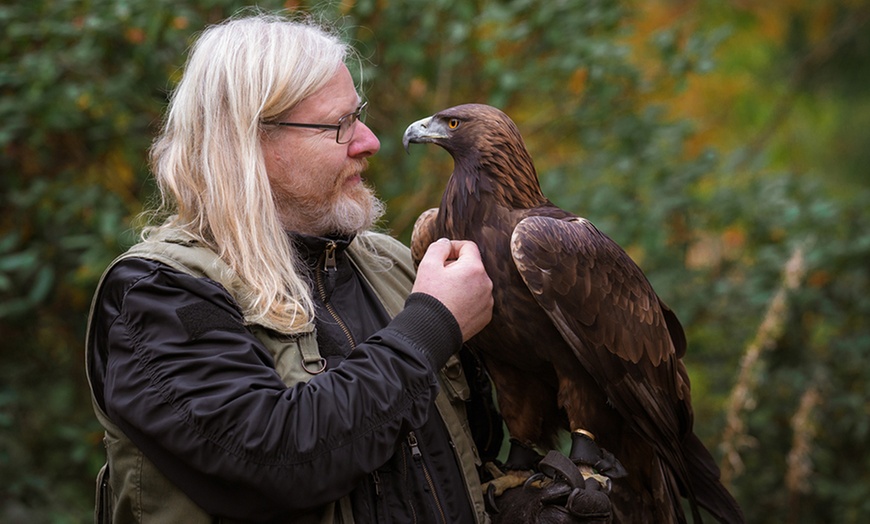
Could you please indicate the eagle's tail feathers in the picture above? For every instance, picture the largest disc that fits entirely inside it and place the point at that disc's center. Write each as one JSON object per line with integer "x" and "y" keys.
{"x": 708, "y": 490}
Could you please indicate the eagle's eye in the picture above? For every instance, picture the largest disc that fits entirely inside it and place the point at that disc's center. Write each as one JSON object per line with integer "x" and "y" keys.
{"x": 453, "y": 123}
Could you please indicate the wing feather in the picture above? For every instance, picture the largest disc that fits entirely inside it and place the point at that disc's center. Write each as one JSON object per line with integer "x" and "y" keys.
{"x": 423, "y": 234}
{"x": 607, "y": 311}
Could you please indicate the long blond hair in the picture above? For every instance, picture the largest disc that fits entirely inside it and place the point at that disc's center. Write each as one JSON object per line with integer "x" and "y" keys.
{"x": 208, "y": 160}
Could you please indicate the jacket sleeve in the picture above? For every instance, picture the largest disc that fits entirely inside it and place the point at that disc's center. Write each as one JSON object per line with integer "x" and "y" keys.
{"x": 199, "y": 395}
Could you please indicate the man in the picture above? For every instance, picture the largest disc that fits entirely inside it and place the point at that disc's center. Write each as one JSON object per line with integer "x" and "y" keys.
{"x": 261, "y": 356}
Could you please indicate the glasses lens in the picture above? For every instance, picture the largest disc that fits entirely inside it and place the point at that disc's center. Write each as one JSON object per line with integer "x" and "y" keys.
{"x": 346, "y": 125}
{"x": 345, "y": 129}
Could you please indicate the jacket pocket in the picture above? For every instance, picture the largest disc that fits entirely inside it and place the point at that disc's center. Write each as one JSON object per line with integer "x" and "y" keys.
{"x": 453, "y": 380}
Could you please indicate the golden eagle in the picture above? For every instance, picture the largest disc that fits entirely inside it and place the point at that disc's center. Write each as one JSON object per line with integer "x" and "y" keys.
{"x": 579, "y": 340}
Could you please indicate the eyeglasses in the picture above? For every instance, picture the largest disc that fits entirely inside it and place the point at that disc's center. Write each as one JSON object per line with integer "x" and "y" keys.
{"x": 343, "y": 129}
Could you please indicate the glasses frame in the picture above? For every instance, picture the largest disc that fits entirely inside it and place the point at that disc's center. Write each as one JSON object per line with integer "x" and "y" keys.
{"x": 345, "y": 120}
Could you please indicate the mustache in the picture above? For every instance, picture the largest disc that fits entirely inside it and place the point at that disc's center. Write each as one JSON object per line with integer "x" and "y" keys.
{"x": 356, "y": 167}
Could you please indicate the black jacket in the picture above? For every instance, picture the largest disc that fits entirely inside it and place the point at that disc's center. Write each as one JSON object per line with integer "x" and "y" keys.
{"x": 176, "y": 369}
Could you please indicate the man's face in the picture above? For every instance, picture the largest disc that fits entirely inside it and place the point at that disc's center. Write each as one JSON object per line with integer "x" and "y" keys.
{"x": 317, "y": 182}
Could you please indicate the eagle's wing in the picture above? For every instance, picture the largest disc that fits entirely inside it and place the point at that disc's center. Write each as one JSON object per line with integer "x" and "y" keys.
{"x": 423, "y": 234}
{"x": 607, "y": 311}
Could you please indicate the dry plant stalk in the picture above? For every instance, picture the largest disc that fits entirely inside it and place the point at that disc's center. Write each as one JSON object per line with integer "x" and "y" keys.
{"x": 800, "y": 465}
{"x": 735, "y": 437}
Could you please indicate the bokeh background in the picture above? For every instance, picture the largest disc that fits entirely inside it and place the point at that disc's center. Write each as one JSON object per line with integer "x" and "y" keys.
{"x": 724, "y": 143}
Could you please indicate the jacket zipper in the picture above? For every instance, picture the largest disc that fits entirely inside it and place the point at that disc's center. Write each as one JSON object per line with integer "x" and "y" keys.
{"x": 376, "y": 506}
{"x": 328, "y": 266}
{"x": 418, "y": 458}
{"x": 377, "y": 480}
{"x": 406, "y": 472}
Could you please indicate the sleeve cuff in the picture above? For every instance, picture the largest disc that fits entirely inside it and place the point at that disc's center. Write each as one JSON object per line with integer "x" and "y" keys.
{"x": 430, "y": 326}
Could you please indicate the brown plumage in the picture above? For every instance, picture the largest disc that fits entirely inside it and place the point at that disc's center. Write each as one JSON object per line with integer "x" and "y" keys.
{"x": 579, "y": 340}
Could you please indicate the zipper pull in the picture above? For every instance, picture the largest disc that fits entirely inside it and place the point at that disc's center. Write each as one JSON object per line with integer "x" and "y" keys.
{"x": 377, "y": 480}
{"x": 329, "y": 256}
{"x": 415, "y": 449}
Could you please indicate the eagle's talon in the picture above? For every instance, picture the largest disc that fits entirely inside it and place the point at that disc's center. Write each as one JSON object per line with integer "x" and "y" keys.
{"x": 489, "y": 497}
{"x": 537, "y": 477}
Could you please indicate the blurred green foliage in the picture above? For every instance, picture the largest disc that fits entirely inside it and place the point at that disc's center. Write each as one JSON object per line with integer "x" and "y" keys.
{"x": 712, "y": 198}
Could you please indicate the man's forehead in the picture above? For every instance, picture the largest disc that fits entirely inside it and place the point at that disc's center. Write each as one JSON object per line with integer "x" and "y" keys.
{"x": 334, "y": 100}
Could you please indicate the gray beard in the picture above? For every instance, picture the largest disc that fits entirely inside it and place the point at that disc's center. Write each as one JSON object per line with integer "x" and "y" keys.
{"x": 348, "y": 216}
{"x": 351, "y": 216}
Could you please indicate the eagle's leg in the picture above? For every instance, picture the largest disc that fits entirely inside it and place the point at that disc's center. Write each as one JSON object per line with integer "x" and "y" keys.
{"x": 521, "y": 456}
{"x": 578, "y": 398}
{"x": 518, "y": 469}
{"x": 524, "y": 417}
{"x": 593, "y": 460}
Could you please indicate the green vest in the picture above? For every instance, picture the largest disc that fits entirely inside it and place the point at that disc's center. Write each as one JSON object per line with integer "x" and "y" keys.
{"x": 131, "y": 489}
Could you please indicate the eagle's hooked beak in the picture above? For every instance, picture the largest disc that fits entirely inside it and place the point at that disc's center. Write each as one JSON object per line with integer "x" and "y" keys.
{"x": 423, "y": 131}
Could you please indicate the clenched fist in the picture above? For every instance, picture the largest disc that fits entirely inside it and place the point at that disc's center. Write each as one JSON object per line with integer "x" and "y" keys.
{"x": 452, "y": 272}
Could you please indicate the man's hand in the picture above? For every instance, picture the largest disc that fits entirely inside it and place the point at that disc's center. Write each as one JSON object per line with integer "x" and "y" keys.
{"x": 452, "y": 272}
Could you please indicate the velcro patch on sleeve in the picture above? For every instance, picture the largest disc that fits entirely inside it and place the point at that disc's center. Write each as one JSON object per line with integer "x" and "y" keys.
{"x": 202, "y": 317}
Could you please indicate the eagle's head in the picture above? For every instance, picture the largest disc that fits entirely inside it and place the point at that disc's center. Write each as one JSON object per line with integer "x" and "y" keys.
{"x": 485, "y": 144}
{"x": 464, "y": 129}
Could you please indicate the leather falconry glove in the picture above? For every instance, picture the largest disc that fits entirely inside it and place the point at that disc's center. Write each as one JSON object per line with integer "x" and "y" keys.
{"x": 558, "y": 495}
